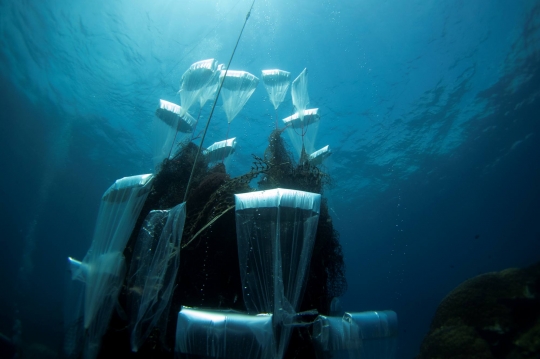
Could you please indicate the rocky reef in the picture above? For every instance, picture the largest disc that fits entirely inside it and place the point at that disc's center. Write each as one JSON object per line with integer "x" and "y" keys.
{"x": 493, "y": 315}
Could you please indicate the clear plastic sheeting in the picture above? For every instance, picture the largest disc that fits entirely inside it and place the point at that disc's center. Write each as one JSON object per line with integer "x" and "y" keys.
{"x": 73, "y": 309}
{"x": 317, "y": 157}
{"x": 238, "y": 86}
{"x": 155, "y": 263}
{"x": 276, "y": 83}
{"x": 276, "y": 231}
{"x": 221, "y": 334}
{"x": 120, "y": 207}
{"x": 299, "y": 92}
{"x": 103, "y": 285}
{"x": 218, "y": 151}
{"x": 209, "y": 91}
{"x": 169, "y": 120}
{"x": 79, "y": 271}
{"x": 358, "y": 335}
{"x": 196, "y": 79}
{"x": 103, "y": 266}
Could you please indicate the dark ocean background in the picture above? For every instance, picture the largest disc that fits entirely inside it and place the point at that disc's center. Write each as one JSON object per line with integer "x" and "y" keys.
{"x": 431, "y": 109}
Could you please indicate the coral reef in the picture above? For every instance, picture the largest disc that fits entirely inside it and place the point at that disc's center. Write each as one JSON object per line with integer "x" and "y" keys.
{"x": 494, "y": 315}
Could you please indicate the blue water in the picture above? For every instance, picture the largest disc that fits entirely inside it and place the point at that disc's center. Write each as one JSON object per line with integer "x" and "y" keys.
{"x": 431, "y": 109}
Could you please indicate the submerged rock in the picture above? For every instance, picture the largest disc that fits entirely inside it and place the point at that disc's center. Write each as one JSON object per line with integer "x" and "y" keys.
{"x": 493, "y": 315}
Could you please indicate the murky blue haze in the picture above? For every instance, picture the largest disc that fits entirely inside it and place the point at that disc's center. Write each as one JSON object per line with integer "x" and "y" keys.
{"x": 431, "y": 109}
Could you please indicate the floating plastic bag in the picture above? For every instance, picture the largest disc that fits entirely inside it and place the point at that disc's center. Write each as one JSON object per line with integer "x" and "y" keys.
{"x": 196, "y": 78}
{"x": 299, "y": 92}
{"x": 209, "y": 91}
{"x": 218, "y": 151}
{"x": 169, "y": 120}
{"x": 317, "y": 157}
{"x": 238, "y": 87}
{"x": 302, "y": 131}
{"x": 276, "y": 83}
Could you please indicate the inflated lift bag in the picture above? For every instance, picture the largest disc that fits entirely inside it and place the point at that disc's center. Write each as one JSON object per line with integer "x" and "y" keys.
{"x": 358, "y": 335}
{"x": 223, "y": 334}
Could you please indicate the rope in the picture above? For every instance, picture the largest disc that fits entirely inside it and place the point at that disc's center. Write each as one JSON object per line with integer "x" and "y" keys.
{"x": 215, "y": 102}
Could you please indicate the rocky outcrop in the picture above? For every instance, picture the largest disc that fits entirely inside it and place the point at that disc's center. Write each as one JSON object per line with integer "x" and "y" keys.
{"x": 493, "y": 315}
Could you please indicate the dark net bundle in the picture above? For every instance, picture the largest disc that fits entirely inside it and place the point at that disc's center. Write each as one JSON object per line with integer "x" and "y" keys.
{"x": 285, "y": 173}
{"x": 209, "y": 274}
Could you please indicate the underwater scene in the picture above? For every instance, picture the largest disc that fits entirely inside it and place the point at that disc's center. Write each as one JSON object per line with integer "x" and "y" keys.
{"x": 270, "y": 179}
